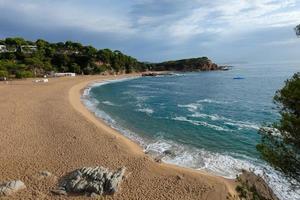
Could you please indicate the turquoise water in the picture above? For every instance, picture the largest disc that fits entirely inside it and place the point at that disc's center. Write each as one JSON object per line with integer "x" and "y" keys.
{"x": 208, "y": 120}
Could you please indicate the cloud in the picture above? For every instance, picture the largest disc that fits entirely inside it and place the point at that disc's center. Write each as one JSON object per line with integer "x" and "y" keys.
{"x": 157, "y": 29}
{"x": 58, "y": 14}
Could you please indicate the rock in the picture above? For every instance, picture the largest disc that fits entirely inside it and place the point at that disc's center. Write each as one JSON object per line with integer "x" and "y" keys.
{"x": 11, "y": 187}
{"x": 168, "y": 153}
{"x": 257, "y": 183}
{"x": 179, "y": 177}
{"x": 95, "y": 196}
{"x": 116, "y": 178}
{"x": 92, "y": 181}
{"x": 45, "y": 174}
{"x": 158, "y": 159}
{"x": 59, "y": 192}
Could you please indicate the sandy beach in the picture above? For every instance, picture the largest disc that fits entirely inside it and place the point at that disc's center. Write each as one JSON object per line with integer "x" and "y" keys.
{"x": 45, "y": 126}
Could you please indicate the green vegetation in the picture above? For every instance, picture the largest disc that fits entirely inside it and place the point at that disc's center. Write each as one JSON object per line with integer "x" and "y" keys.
{"x": 26, "y": 59}
{"x": 23, "y": 58}
{"x": 297, "y": 29}
{"x": 247, "y": 190}
{"x": 283, "y": 150}
{"x": 192, "y": 64}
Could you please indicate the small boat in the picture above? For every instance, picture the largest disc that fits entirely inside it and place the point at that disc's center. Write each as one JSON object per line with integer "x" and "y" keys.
{"x": 238, "y": 78}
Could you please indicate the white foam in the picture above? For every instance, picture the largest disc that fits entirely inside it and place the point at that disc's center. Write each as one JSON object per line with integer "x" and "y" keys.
{"x": 192, "y": 107}
{"x": 211, "y": 101}
{"x": 228, "y": 121}
{"x": 86, "y": 91}
{"x": 203, "y": 115}
{"x": 224, "y": 165}
{"x": 108, "y": 103}
{"x": 139, "y": 86}
{"x": 109, "y": 81}
{"x": 200, "y": 123}
{"x": 146, "y": 110}
{"x": 242, "y": 125}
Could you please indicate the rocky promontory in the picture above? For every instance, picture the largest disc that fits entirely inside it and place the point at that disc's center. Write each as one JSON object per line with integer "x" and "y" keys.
{"x": 191, "y": 64}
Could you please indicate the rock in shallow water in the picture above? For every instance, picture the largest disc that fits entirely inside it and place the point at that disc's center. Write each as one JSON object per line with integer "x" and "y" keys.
{"x": 92, "y": 180}
{"x": 11, "y": 187}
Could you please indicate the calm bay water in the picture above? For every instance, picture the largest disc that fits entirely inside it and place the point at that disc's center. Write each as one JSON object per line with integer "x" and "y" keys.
{"x": 208, "y": 120}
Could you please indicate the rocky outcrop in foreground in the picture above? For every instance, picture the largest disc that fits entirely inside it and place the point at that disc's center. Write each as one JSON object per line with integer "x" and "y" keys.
{"x": 91, "y": 181}
{"x": 254, "y": 187}
{"x": 11, "y": 187}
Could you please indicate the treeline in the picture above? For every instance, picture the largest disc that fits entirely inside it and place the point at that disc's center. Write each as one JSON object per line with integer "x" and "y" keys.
{"x": 192, "y": 64}
{"x": 21, "y": 58}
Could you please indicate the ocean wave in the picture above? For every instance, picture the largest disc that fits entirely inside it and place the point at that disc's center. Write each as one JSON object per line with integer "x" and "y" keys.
{"x": 236, "y": 123}
{"x": 139, "y": 86}
{"x": 109, "y": 81}
{"x": 192, "y": 107}
{"x": 86, "y": 91}
{"x": 214, "y": 117}
{"x": 242, "y": 125}
{"x": 200, "y": 123}
{"x": 146, "y": 110}
{"x": 225, "y": 165}
{"x": 108, "y": 103}
{"x": 92, "y": 103}
{"x": 212, "y": 101}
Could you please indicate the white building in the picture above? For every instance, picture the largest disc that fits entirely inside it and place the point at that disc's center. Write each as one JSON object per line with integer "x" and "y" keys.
{"x": 28, "y": 48}
{"x": 2, "y": 48}
{"x": 64, "y": 74}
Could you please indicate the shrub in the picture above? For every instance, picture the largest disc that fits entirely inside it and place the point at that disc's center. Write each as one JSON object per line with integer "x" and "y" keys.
{"x": 3, "y": 73}
{"x": 24, "y": 74}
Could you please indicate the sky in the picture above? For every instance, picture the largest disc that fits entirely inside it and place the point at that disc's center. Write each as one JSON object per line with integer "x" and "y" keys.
{"x": 227, "y": 31}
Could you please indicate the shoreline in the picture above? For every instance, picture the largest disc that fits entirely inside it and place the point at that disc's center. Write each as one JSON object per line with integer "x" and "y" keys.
{"x": 75, "y": 95}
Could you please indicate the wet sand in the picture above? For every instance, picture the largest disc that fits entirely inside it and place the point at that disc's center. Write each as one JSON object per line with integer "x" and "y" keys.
{"x": 44, "y": 126}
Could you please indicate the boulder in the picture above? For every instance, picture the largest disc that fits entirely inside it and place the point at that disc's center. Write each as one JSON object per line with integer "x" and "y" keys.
{"x": 257, "y": 184}
{"x": 169, "y": 153}
{"x": 91, "y": 181}
{"x": 11, "y": 187}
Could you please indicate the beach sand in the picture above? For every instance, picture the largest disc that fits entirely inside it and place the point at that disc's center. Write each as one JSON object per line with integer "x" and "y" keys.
{"x": 44, "y": 126}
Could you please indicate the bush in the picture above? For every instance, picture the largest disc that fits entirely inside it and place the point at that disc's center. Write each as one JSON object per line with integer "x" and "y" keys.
{"x": 24, "y": 74}
{"x": 283, "y": 151}
{"x": 3, "y": 74}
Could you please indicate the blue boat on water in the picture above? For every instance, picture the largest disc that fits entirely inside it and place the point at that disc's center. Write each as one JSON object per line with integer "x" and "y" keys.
{"x": 238, "y": 78}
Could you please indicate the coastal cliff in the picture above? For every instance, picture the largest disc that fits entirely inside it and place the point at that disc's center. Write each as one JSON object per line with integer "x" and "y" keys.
{"x": 191, "y": 64}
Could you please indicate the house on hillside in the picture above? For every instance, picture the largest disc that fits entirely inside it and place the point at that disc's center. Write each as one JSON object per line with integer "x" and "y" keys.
{"x": 3, "y": 48}
{"x": 28, "y": 48}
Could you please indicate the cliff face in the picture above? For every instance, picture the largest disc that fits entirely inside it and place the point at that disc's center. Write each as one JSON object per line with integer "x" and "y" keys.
{"x": 208, "y": 66}
{"x": 192, "y": 64}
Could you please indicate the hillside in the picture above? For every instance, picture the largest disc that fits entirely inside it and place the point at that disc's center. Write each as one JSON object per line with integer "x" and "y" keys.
{"x": 20, "y": 58}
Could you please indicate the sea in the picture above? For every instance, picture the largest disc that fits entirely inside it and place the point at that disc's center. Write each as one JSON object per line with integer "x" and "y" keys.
{"x": 206, "y": 120}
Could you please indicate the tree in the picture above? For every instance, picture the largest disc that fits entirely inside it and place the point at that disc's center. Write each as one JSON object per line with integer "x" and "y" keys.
{"x": 24, "y": 74}
{"x": 15, "y": 41}
{"x": 63, "y": 57}
{"x": 75, "y": 68}
{"x": 283, "y": 150}
{"x": 280, "y": 145}
{"x": 3, "y": 74}
{"x": 297, "y": 29}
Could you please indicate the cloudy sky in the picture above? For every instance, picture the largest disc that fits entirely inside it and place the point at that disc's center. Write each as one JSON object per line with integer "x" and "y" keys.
{"x": 228, "y": 31}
